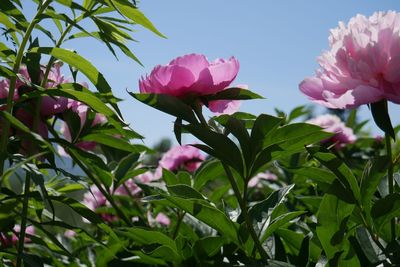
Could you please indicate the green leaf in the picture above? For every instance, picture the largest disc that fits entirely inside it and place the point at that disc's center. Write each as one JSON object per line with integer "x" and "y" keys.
{"x": 184, "y": 191}
{"x": 168, "y": 104}
{"x": 316, "y": 174}
{"x": 296, "y": 135}
{"x": 339, "y": 168}
{"x": 262, "y": 210}
{"x": 134, "y": 14}
{"x": 381, "y": 117}
{"x": 385, "y": 209}
{"x": 148, "y": 237}
{"x": 78, "y": 207}
{"x": 178, "y": 130}
{"x": 372, "y": 176}
{"x": 203, "y": 211}
{"x": 125, "y": 165}
{"x": 278, "y": 222}
{"x": 209, "y": 246}
{"x": 224, "y": 148}
{"x": 298, "y": 112}
{"x": 263, "y": 126}
{"x": 367, "y": 244}
{"x": 331, "y": 213}
{"x": 237, "y": 128}
{"x": 208, "y": 172}
{"x": 232, "y": 94}
{"x": 81, "y": 64}
{"x": 19, "y": 125}
{"x": 110, "y": 141}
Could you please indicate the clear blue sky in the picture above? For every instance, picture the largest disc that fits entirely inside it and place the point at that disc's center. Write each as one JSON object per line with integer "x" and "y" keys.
{"x": 276, "y": 43}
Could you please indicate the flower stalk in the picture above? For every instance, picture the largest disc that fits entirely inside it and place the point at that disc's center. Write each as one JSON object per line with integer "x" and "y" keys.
{"x": 22, "y": 233}
{"x": 390, "y": 181}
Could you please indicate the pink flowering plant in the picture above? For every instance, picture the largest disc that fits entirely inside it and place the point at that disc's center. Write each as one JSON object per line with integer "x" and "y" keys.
{"x": 79, "y": 188}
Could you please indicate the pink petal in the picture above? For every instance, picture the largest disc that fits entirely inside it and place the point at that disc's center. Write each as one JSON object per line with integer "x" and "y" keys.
{"x": 223, "y": 73}
{"x": 194, "y": 62}
{"x": 392, "y": 73}
{"x": 219, "y": 107}
{"x": 353, "y": 98}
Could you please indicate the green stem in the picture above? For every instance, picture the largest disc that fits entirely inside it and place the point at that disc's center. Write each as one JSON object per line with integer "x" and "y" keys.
{"x": 22, "y": 233}
{"x": 13, "y": 82}
{"x": 242, "y": 201}
{"x": 178, "y": 224}
{"x": 243, "y": 207}
{"x": 390, "y": 181}
{"x": 197, "y": 110}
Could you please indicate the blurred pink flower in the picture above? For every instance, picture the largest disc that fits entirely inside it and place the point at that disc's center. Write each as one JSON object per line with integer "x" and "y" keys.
{"x": 256, "y": 180}
{"x": 54, "y": 105}
{"x": 94, "y": 198}
{"x": 161, "y": 218}
{"x": 5, "y": 86}
{"x": 362, "y": 65}
{"x": 82, "y": 111}
{"x": 30, "y": 230}
{"x": 333, "y": 124}
{"x": 182, "y": 157}
{"x": 147, "y": 177}
{"x": 7, "y": 240}
{"x": 27, "y": 118}
{"x": 69, "y": 233}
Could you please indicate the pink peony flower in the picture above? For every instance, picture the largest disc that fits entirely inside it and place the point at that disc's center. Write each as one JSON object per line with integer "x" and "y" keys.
{"x": 190, "y": 74}
{"x": 182, "y": 157}
{"x": 193, "y": 74}
{"x": 333, "y": 124}
{"x": 256, "y": 180}
{"x": 362, "y": 65}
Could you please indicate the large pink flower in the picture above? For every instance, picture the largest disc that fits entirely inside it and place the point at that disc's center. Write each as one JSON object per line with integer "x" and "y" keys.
{"x": 190, "y": 74}
{"x": 331, "y": 123}
{"x": 362, "y": 65}
{"x": 182, "y": 157}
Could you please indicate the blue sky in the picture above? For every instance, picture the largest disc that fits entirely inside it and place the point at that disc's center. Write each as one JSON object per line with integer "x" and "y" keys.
{"x": 276, "y": 43}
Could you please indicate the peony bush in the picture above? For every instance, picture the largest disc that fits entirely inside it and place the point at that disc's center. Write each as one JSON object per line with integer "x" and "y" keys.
{"x": 78, "y": 186}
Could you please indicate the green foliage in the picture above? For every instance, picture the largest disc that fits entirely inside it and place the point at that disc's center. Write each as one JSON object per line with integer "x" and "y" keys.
{"x": 272, "y": 190}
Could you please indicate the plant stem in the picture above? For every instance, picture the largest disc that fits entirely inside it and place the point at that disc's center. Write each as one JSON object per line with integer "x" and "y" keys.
{"x": 21, "y": 238}
{"x": 242, "y": 200}
{"x": 243, "y": 207}
{"x": 13, "y": 82}
{"x": 390, "y": 181}
{"x": 178, "y": 224}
